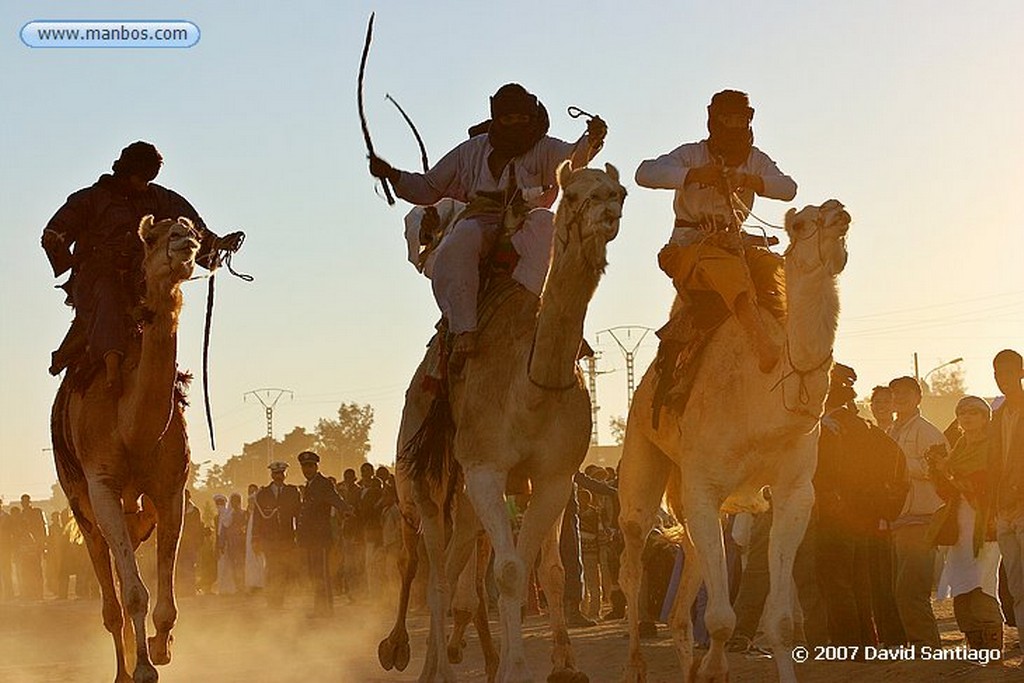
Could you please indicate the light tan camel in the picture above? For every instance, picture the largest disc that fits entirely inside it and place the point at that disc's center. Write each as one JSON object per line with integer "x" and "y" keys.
{"x": 520, "y": 403}
{"x": 742, "y": 429}
{"x": 111, "y": 451}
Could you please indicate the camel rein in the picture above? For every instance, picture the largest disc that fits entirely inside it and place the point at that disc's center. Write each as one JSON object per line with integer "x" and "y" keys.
{"x": 218, "y": 257}
{"x": 803, "y": 393}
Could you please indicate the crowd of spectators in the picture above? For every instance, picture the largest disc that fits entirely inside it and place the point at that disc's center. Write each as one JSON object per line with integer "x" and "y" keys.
{"x": 905, "y": 512}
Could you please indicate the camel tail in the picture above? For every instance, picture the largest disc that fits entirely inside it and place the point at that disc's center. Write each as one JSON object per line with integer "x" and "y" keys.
{"x": 69, "y": 469}
{"x": 428, "y": 456}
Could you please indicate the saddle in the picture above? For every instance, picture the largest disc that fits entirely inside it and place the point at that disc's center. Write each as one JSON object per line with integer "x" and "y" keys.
{"x": 682, "y": 341}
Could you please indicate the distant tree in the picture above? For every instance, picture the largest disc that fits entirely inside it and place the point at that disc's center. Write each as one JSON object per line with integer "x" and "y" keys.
{"x": 947, "y": 381}
{"x": 295, "y": 442}
{"x": 618, "y": 427}
{"x": 214, "y": 479}
{"x": 344, "y": 442}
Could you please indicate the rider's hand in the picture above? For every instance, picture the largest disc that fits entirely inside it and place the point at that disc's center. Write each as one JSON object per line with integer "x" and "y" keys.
{"x": 739, "y": 179}
{"x": 231, "y": 242}
{"x": 382, "y": 169}
{"x": 710, "y": 174}
{"x": 597, "y": 129}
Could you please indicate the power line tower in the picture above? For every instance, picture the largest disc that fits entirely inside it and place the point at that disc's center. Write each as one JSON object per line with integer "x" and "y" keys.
{"x": 269, "y": 399}
{"x": 592, "y": 373}
{"x": 628, "y": 337}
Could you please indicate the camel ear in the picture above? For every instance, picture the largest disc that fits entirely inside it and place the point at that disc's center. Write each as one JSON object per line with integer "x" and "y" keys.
{"x": 145, "y": 227}
{"x": 790, "y": 220}
{"x": 564, "y": 172}
{"x": 612, "y": 172}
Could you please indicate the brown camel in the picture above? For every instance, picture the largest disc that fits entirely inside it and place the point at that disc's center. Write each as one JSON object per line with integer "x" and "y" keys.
{"x": 742, "y": 429}
{"x": 113, "y": 451}
{"x": 520, "y": 403}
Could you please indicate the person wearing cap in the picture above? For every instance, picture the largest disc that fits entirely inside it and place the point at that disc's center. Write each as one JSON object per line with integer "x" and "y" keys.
{"x": 966, "y": 523}
{"x": 314, "y": 529}
{"x": 95, "y": 236}
{"x": 715, "y": 182}
{"x": 506, "y": 173}
{"x": 277, "y": 507}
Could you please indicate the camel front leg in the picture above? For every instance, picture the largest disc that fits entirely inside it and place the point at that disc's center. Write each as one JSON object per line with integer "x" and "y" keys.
{"x": 680, "y": 620}
{"x": 113, "y": 619}
{"x": 170, "y": 512}
{"x": 436, "y": 668}
{"x": 461, "y": 573}
{"x": 705, "y": 530}
{"x": 552, "y": 579}
{"x": 791, "y": 510}
{"x": 485, "y": 486}
{"x": 643, "y": 474}
{"x": 480, "y": 617}
{"x": 106, "y": 503}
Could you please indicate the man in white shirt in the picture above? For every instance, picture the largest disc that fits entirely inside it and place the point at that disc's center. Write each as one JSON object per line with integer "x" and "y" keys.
{"x": 1008, "y": 439}
{"x": 715, "y": 181}
{"x": 915, "y": 554}
{"x": 507, "y": 176}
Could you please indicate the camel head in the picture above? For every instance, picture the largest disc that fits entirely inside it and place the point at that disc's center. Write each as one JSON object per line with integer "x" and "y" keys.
{"x": 170, "y": 254}
{"x": 817, "y": 237}
{"x": 588, "y": 215}
{"x": 171, "y": 247}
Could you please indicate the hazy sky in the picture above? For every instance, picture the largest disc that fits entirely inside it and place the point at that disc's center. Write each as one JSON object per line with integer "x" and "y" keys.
{"x": 908, "y": 112}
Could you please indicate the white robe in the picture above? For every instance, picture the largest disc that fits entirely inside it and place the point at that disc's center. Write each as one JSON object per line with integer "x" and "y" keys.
{"x": 255, "y": 563}
{"x": 963, "y": 571}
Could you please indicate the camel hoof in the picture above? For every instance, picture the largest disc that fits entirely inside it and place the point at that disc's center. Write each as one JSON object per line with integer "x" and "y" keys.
{"x": 160, "y": 650}
{"x": 635, "y": 674}
{"x": 568, "y": 676}
{"x": 145, "y": 673}
{"x": 386, "y": 654}
{"x": 402, "y": 654}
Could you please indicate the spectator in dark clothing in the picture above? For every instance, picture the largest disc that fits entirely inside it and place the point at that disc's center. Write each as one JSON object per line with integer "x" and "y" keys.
{"x": 277, "y": 509}
{"x": 887, "y": 461}
{"x": 193, "y": 534}
{"x": 569, "y": 548}
{"x": 314, "y": 530}
{"x": 369, "y": 513}
{"x": 845, "y": 524}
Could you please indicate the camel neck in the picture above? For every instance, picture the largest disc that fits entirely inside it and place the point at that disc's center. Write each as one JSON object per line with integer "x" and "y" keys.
{"x": 150, "y": 398}
{"x": 812, "y": 316}
{"x": 563, "y": 307}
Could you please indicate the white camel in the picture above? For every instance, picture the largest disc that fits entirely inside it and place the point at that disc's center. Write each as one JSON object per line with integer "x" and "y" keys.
{"x": 742, "y": 429}
{"x": 520, "y": 404}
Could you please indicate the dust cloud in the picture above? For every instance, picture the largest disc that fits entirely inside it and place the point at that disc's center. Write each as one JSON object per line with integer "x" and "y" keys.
{"x": 235, "y": 639}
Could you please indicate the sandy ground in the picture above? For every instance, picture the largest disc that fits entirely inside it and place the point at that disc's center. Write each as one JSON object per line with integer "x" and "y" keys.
{"x": 235, "y": 640}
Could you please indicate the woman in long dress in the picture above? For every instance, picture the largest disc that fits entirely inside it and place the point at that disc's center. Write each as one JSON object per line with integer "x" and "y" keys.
{"x": 966, "y": 524}
{"x": 225, "y": 572}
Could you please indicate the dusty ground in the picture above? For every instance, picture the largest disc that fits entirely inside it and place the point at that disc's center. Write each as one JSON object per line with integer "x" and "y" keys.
{"x": 235, "y": 640}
